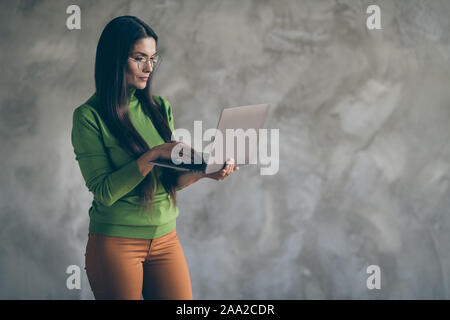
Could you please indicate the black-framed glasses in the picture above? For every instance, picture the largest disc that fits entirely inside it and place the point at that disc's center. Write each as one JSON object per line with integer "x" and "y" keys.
{"x": 155, "y": 61}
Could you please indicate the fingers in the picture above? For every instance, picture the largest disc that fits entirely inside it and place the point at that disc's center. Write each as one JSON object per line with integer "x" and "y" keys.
{"x": 186, "y": 152}
{"x": 229, "y": 168}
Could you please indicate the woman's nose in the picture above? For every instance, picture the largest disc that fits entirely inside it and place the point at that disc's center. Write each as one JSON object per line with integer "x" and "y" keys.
{"x": 148, "y": 66}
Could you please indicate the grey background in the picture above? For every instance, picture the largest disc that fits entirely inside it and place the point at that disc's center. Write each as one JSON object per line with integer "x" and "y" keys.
{"x": 364, "y": 145}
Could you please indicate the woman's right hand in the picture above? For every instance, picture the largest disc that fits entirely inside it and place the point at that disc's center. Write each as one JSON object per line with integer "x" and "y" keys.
{"x": 162, "y": 151}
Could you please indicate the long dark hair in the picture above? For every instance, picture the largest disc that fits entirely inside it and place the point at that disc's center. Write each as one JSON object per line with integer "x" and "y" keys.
{"x": 113, "y": 49}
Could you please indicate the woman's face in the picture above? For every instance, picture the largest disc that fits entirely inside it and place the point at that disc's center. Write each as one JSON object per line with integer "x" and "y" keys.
{"x": 142, "y": 49}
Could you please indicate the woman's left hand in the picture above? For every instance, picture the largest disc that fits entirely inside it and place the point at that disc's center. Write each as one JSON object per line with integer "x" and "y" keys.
{"x": 229, "y": 168}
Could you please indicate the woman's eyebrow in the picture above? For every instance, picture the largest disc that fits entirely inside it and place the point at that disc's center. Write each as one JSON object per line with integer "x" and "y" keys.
{"x": 144, "y": 53}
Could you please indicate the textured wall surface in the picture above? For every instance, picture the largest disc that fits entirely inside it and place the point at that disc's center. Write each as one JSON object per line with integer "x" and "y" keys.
{"x": 364, "y": 145}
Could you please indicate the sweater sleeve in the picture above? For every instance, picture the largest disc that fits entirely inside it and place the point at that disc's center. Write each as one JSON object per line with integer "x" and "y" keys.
{"x": 107, "y": 185}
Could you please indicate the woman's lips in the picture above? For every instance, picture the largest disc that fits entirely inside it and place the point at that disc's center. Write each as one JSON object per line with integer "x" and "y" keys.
{"x": 143, "y": 79}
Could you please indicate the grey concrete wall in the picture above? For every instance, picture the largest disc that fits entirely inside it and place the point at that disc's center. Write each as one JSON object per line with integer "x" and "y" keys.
{"x": 364, "y": 145}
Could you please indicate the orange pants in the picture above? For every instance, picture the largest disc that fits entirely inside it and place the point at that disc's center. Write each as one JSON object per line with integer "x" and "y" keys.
{"x": 132, "y": 269}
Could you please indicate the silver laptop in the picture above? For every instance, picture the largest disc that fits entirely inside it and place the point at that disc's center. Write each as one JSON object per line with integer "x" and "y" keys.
{"x": 243, "y": 117}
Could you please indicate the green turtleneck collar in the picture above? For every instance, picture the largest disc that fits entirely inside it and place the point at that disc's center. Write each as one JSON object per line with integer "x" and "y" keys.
{"x": 132, "y": 94}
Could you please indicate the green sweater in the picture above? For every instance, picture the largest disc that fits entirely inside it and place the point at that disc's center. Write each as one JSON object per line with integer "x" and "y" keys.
{"x": 112, "y": 175}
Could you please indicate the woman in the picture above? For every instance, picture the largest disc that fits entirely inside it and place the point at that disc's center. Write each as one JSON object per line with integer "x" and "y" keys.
{"x": 133, "y": 250}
